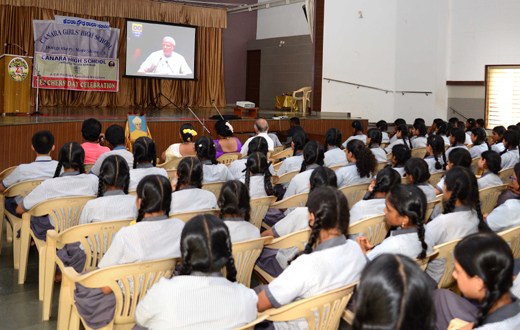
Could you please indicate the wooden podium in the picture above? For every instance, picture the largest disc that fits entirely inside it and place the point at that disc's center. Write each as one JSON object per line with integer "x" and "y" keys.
{"x": 15, "y": 83}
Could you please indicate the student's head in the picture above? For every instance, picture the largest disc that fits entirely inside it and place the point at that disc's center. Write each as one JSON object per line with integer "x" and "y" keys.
{"x": 457, "y": 136}
{"x": 417, "y": 171}
{"x": 459, "y": 157}
{"x": 144, "y": 151}
{"x": 187, "y": 132}
{"x": 406, "y": 207}
{"x": 224, "y": 128}
{"x": 332, "y": 138}
{"x": 206, "y": 247}
{"x": 483, "y": 269}
{"x": 114, "y": 173}
{"x": 498, "y": 133}
{"x": 258, "y": 144}
{"x": 374, "y": 137}
{"x": 115, "y": 135}
{"x": 257, "y": 164}
{"x": 154, "y": 194}
{"x": 358, "y": 127}
{"x": 382, "y": 125}
{"x": 399, "y": 121}
{"x": 480, "y": 123}
{"x": 294, "y": 121}
{"x": 515, "y": 185}
{"x": 511, "y": 139}
{"x": 442, "y": 128}
{"x": 261, "y": 125}
{"x": 71, "y": 156}
{"x": 394, "y": 293}
{"x": 470, "y": 124}
{"x": 205, "y": 149}
{"x": 298, "y": 142}
{"x": 328, "y": 210}
{"x": 435, "y": 147}
{"x": 404, "y": 134}
{"x": 419, "y": 129}
{"x": 478, "y": 136}
{"x": 322, "y": 177}
{"x": 357, "y": 152}
{"x": 312, "y": 154}
{"x": 400, "y": 155}
{"x": 490, "y": 160}
{"x": 435, "y": 124}
{"x": 189, "y": 173}
{"x": 234, "y": 200}
{"x": 386, "y": 179}
{"x": 43, "y": 142}
{"x": 91, "y": 130}
{"x": 454, "y": 121}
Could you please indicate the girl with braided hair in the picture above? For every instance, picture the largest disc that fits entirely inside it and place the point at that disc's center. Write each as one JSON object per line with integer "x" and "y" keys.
{"x": 462, "y": 214}
{"x": 498, "y": 137}
{"x": 459, "y": 157}
{"x": 206, "y": 153}
{"x": 400, "y": 155}
{"x": 405, "y": 209}
{"x": 113, "y": 202}
{"x": 435, "y": 155}
{"x": 359, "y": 133}
{"x": 442, "y": 130}
{"x": 312, "y": 159}
{"x": 200, "y": 297}
{"x": 329, "y": 261}
{"x": 294, "y": 163}
{"x": 145, "y": 158}
{"x": 511, "y": 154}
{"x": 478, "y": 138}
{"x": 490, "y": 164}
{"x": 484, "y": 268}
{"x": 457, "y": 139}
{"x": 402, "y": 137}
{"x": 333, "y": 153}
{"x": 257, "y": 144}
{"x": 419, "y": 132}
{"x": 258, "y": 177}
{"x": 374, "y": 143}
{"x": 417, "y": 174}
{"x": 362, "y": 164}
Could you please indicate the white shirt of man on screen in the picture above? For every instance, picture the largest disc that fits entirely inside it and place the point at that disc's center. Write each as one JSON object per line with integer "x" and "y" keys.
{"x": 166, "y": 61}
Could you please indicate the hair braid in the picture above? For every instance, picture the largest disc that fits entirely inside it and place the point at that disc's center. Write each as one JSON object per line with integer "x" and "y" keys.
{"x": 135, "y": 163}
{"x": 492, "y": 295}
{"x": 420, "y": 233}
{"x": 231, "y": 271}
{"x": 313, "y": 238}
{"x": 482, "y": 225}
{"x": 58, "y": 169}
{"x": 185, "y": 268}
{"x": 248, "y": 177}
{"x": 303, "y": 168}
{"x": 140, "y": 214}
{"x": 444, "y": 160}
{"x": 101, "y": 186}
{"x": 268, "y": 185}
{"x": 370, "y": 194}
{"x": 438, "y": 165}
{"x": 449, "y": 206}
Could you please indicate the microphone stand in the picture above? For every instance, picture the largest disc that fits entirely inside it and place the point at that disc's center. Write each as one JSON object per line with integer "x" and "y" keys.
{"x": 16, "y": 45}
{"x": 37, "y": 105}
{"x": 203, "y": 126}
{"x": 214, "y": 106}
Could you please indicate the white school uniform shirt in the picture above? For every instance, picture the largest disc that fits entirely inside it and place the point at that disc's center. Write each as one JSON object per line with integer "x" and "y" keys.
{"x": 215, "y": 173}
{"x": 489, "y": 179}
{"x": 430, "y": 160}
{"x": 498, "y": 147}
{"x": 276, "y": 140}
{"x": 335, "y": 156}
{"x": 68, "y": 184}
{"x": 42, "y": 168}
{"x": 440, "y": 184}
{"x": 360, "y": 137}
{"x": 510, "y": 158}
{"x": 241, "y": 230}
{"x": 380, "y": 154}
{"x": 137, "y": 174}
{"x": 196, "y": 301}
{"x": 295, "y": 221}
{"x": 290, "y": 164}
{"x": 455, "y": 147}
{"x": 477, "y": 150}
{"x": 151, "y": 239}
{"x": 192, "y": 199}
{"x": 446, "y": 139}
{"x": 400, "y": 170}
{"x": 237, "y": 167}
{"x": 120, "y": 151}
{"x": 504, "y": 216}
{"x": 335, "y": 263}
{"x": 265, "y": 135}
{"x": 256, "y": 186}
{"x": 388, "y": 149}
{"x": 463, "y": 221}
{"x": 419, "y": 142}
{"x": 365, "y": 209}
{"x": 468, "y": 138}
{"x": 385, "y": 138}
{"x": 113, "y": 205}
{"x": 348, "y": 175}
{"x": 428, "y": 190}
{"x": 300, "y": 183}
{"x": 401, "y": 241}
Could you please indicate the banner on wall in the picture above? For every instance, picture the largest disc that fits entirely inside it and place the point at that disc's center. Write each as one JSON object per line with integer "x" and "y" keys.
{"x": 75, "y": 21}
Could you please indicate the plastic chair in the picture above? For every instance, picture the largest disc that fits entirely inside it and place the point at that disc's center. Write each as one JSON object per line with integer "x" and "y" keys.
{"x": 380, "y": 166}
{"x": 374, "y": 228}
{"x": 505, "y": 173}
{"x": 229, "y": 157}
{"x": 419, "y": 152}
{"x": 286, "y": 153}
{"x": 293, "y": 201}
{"x": 187, "y": 215}
{"x": 88, "y": 167}
{"x": 213, "y": 187}
{"x": 430, "y": 207}
{"x": 95, "y": 238}
{"x": 489, "y": 197}
{"x": 121, "y": 279}
{"x": 284, "y": 178}
{"x": 474, "y": 165}
{"x": 245, "y": 254}
{"x": 423, "y": 263}
{"x": 456, "y": 324}
{"x": 435, "y": 178}
{"x": 259, "y": 207}
{"x": 278, "y": 149}
{"x": 172, "y": 163}
{"x": 445, "y": 252}
{"x": 3, "y": 175}
{"x": 512, "y": 237}
{"x": 171, "y": 174}
{"x": 304, "y": 95}
{"x": 354, "y": 193}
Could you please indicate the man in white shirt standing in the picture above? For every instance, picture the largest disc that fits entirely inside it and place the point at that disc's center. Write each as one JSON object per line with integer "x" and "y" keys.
{"x": 166, "y": 61}
{"x": 261, "y": 129}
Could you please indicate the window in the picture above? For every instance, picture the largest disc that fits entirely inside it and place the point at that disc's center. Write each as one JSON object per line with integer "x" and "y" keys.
{"x": 502, "y": 95}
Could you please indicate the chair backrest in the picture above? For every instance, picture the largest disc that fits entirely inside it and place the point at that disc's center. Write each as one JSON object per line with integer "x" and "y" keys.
{"x": 186, "y": 216}
{"x": 512, "y": 237}
{"x": 88, "y": 167}
{"x": 245, "y": 254}
{"x": 354, "y": 193}
{"x": 389, "y": 156}
{"x": 213, "y": 187}
{"x": 172, "y": 163}
{"x": 445, "y": 252}
{"x": 380, "y": 166}
{"x": 423, "y": 263}
{"x": 171, "y": 173}
{"x": 64, "y": 212}
{"x": 322, "y": 311}
{"x": 419, "y": 152}
{"x": 374, "y": 229}
{"x": 430, "y": 206}
{"x": 457, "y": 324}
{"x": 229, "y": 157}
{"x": 259, "y": 207}
{"x": 297, "y": 239}
{"x": 278, "y": 149}
{"x": 435, "y": 178}
{"x": 474, "y": 165}
{"x": 22, "y": 188}
{"x": 293, "y": 201}
{"x": 284, "y": 178}
{"x": 6, "y": 172}
{"x": 288, "y": 152}
{"x": 505, "y": 174}
{"x": 489, "y": 197}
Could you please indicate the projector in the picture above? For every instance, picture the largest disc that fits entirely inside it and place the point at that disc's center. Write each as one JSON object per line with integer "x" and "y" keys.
{"x": 245, "y": 104}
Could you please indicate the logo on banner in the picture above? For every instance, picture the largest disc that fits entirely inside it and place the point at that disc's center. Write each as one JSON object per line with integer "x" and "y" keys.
{"x": 18, "y": 69}
{"x": 137, "y": 29}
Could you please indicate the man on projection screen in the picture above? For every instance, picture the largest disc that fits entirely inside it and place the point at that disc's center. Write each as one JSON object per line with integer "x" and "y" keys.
{"x": 166, "y": 61}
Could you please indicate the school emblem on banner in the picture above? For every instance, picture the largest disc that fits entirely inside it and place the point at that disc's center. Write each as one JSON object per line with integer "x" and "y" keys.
{"x": 18, "y": 69}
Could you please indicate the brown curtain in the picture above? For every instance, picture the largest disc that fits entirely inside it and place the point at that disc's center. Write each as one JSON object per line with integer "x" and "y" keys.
{"x": 17, "y": 16}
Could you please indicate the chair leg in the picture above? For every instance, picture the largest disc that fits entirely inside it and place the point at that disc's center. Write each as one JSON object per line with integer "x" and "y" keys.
{"x": 9, "y": 233}
{"x": 65, "y": 304}
{"x": 24, "y": 249}
{"x": 48, "y": 284}
{"x": 41, "y": 272}
{"x": 16, "y": 251}
{"x": 2, "y": 230}
{"x": 74, "y": 320}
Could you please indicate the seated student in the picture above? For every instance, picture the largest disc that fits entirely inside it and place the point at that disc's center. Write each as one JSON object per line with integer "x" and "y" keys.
{"x": 359, "y": 134}
{"x": 478, "y": 138}
{"x": 459, "y": 157}
{"x": 152, "y": 237}
{"x": 511, "y": 154}
{"x": 397, "y": 123}
{"x": 457, "y": 139}
{"x": 200, "y": 297}
{"x": 435, "y": 156}
{"x": 362, "y": 164}
{"x": 187, "y": 134}
{"x": 312, "y": 159}
{"x": 235, "y": 210}
{"x": 237, "y": 167}
{"x": 442, "y": 130}
{"x": 374, "y": 201}
{"x": 498, "y": 137}
{"x": 480, "y": 123}
{"x": 513, "y": 189}
{"x": 402, "y": 137}
{"x": 91, "y": 132}
{"x": 432, "y": 130}
{"x": 489, "y": 163}
{"x": 462, "y": 215}
{"x": 213, "y": 171}
{"x": 294, "y": 127}
{"x": 374, "y": 143}
{"x": 187, "y": 193}
{"x": 294, "y": 163}
{"x": 419, "y": 132}
{"x": 405, "y": 210}
{"x": 145, "y": 157}
{"x": 226, "y": 142}
{"x": 382, "y": 126}
{"x": 71, "y": 182}
{"x": 115, "y": 135}
{"x": 400, "y": 155}
{"x": 469, "y": 125}
{"x": 329, "y": 261}
{"x": 258, "y": 177}
{"x": 394, "y": 293}
{"x": 112, "y": 203}
{"x": 333, "y": 154}
{"x": 418, "y": 175}
{"x": 484, "y": 272}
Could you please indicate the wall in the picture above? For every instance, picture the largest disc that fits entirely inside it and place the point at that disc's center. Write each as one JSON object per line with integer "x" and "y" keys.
{"x": 281, "y": 21}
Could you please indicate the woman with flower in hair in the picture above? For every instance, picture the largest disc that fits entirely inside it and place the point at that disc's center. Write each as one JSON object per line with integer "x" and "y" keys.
{"x": 226, "y": 142}
{"x": 187, "y": 134}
